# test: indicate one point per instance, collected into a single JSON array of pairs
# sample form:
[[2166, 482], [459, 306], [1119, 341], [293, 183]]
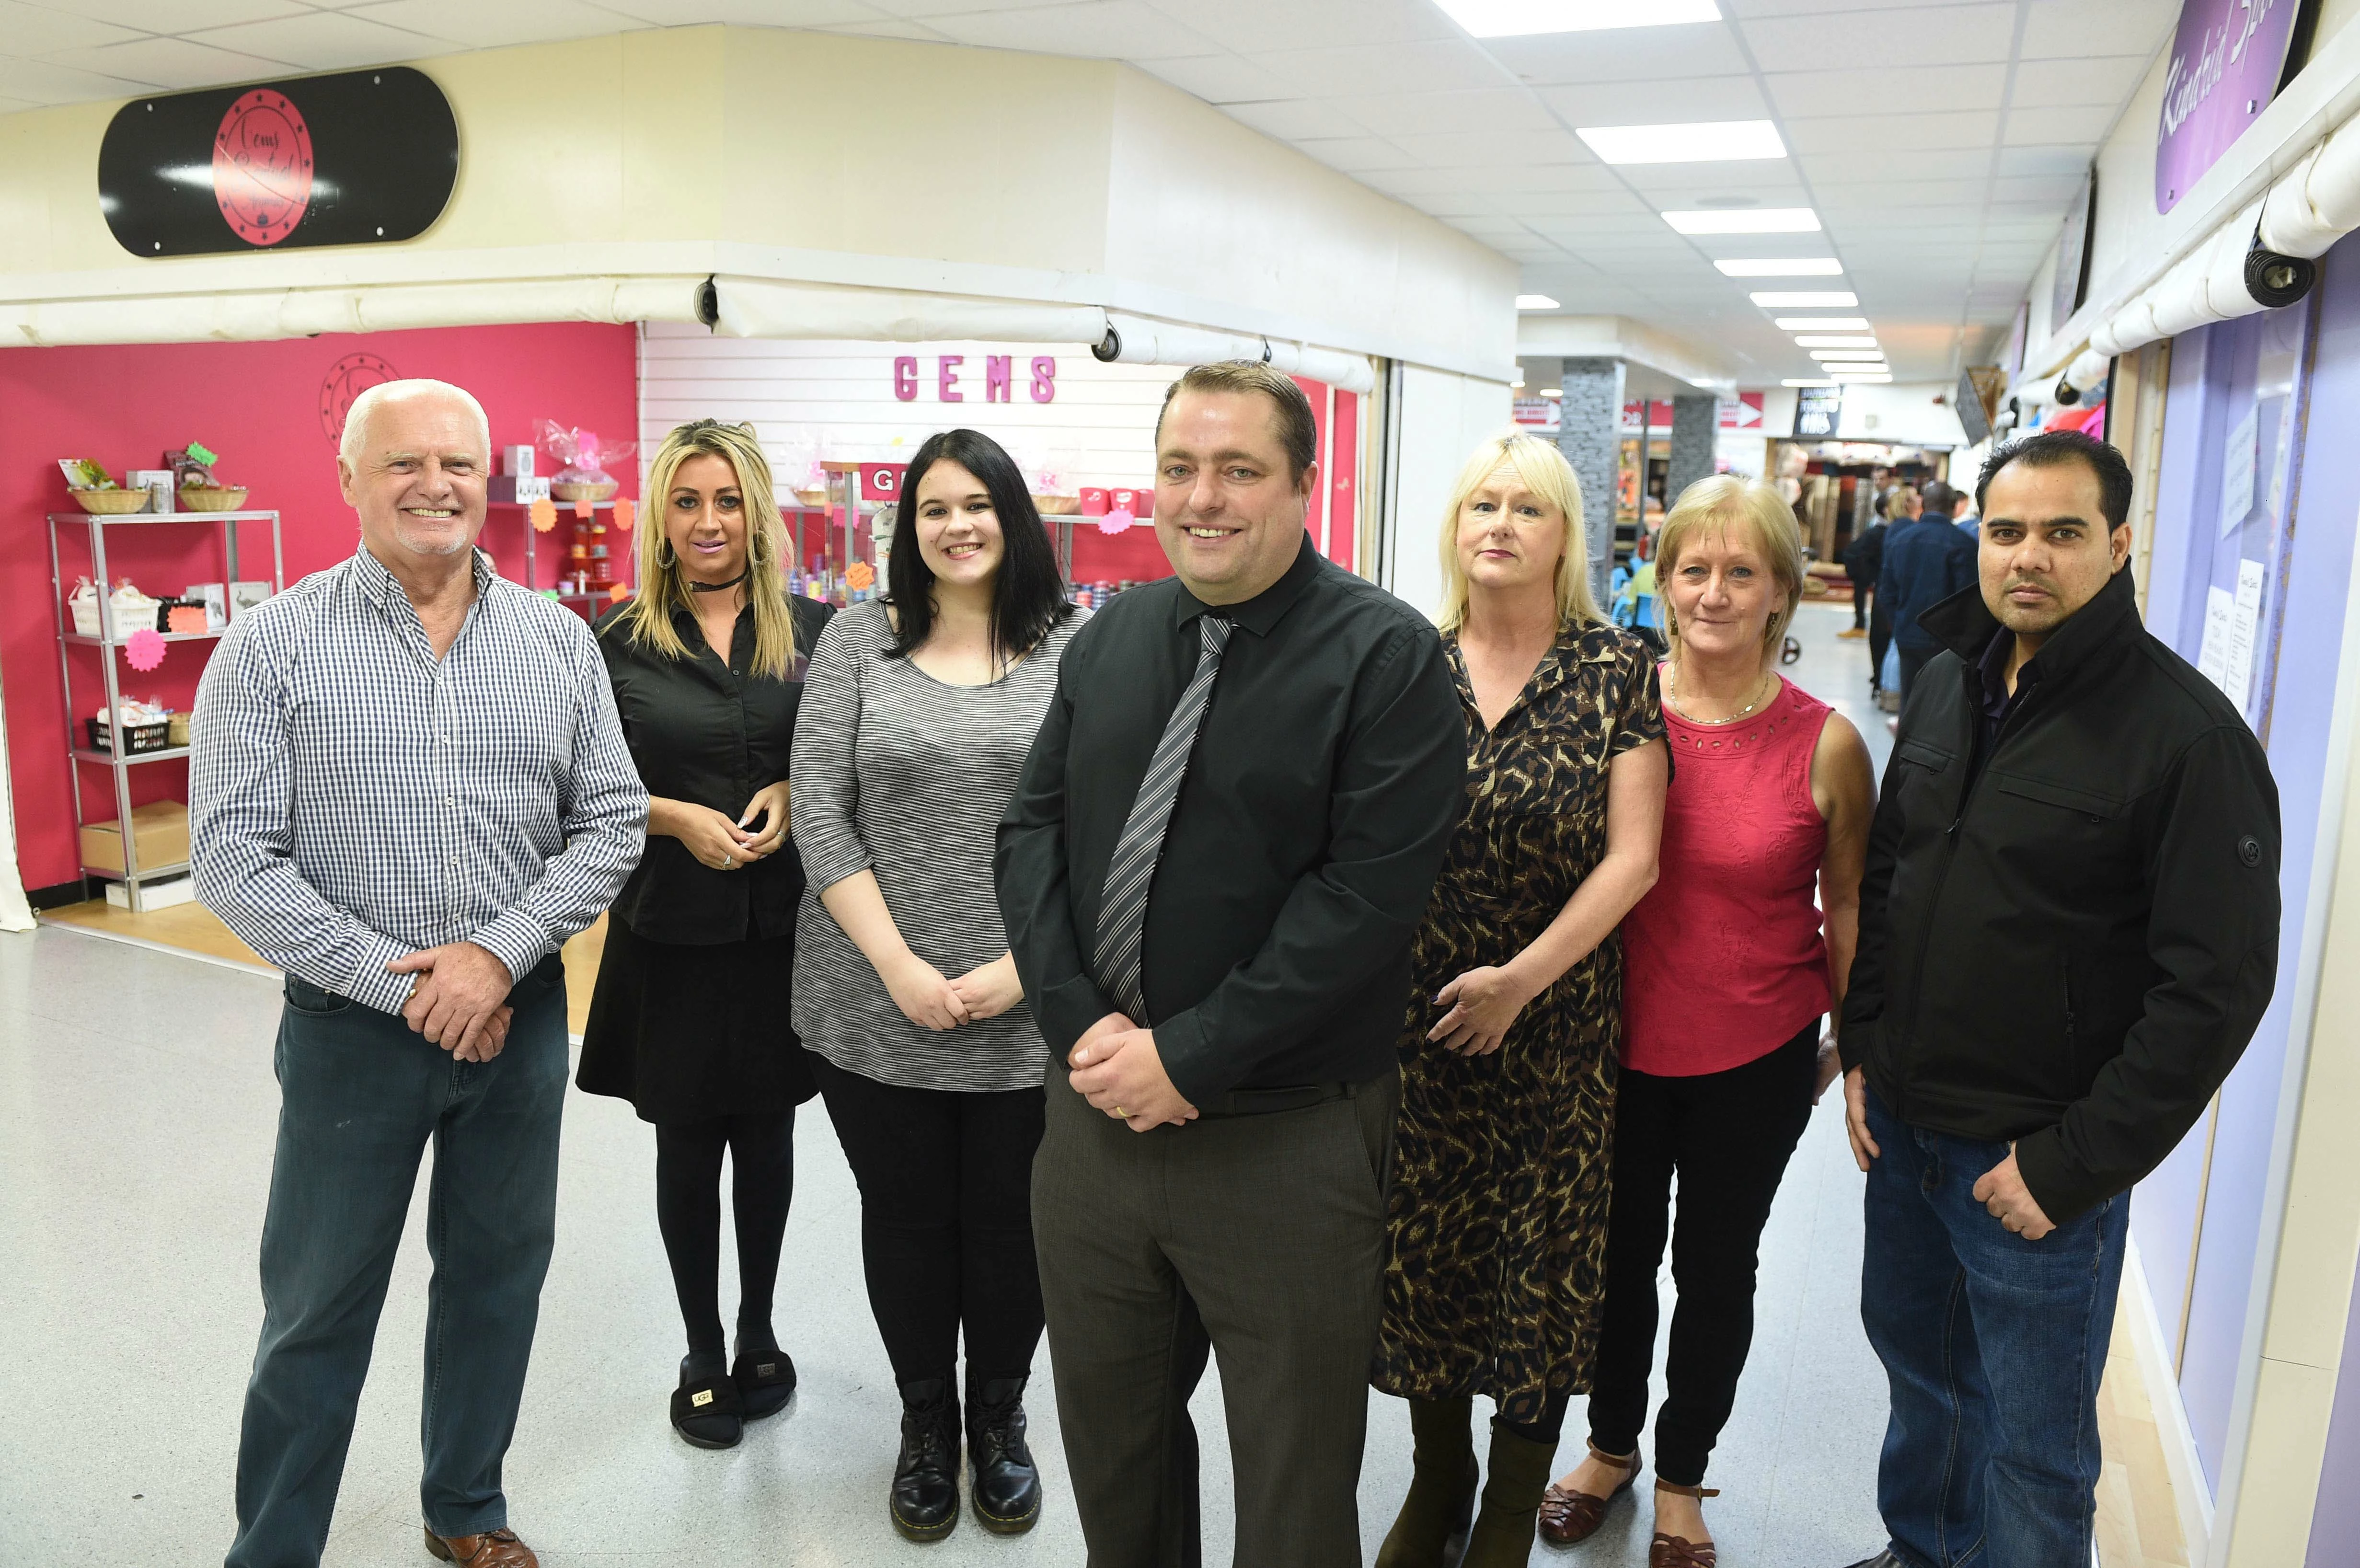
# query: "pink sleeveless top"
[[1723, 959]]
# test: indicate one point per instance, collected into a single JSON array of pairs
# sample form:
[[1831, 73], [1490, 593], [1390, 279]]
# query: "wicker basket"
[[213, 497], [1057, 506], [109, 503], [577, 492]]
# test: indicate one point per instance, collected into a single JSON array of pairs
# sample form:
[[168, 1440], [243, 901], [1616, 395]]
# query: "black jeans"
[[1727, 1135], [946, 1220], [1880, 638]]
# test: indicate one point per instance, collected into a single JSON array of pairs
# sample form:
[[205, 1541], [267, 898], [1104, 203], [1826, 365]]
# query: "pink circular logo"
[[262, 167], [346, 379]]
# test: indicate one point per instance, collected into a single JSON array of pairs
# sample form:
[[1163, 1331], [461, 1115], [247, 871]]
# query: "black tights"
[[946, 1220], [688, 1211]]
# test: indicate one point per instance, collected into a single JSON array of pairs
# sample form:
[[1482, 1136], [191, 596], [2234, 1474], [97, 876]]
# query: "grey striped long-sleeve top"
[[899, 774]]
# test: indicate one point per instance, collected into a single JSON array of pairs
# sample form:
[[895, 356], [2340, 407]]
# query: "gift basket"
[[581, 457], [199, 489], [94, 490]]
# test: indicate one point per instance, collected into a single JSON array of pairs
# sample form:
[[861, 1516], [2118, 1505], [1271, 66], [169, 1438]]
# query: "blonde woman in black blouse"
[[687, 1022]]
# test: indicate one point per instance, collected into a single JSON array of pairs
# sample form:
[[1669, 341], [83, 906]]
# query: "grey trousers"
[[1261, 1238]]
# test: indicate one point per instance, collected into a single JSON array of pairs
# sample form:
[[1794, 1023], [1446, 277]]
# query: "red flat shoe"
[[1676, 1551], [1568, 1517]]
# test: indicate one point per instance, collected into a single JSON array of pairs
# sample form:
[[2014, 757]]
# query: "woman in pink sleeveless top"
[[1728, 973]]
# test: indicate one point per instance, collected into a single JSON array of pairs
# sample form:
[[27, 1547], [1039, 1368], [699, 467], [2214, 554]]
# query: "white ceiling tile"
[[1826, 170], [1435, 113], [37, 30], [1806, 94], [1296, 119], [478, 25], [888, 28], [1894, 133], [174, 16], [325, 40], [2059, 189], [1349, 70], [2065, 83], [1356, 155], [1453, 149], [48, 81], [2035, 128], [2043, 159], [1533, 204], [1220, 79], [1643, 102], [169, 63], [1684, 186], [1124, 29], [741, 12], [1945, 36], [2075, 30], [1675, 53], [1258, 25]]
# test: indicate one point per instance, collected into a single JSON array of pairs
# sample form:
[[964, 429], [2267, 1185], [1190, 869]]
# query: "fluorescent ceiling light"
[[1821, 324], [1515, 18], [1757, 220], [1810, 341], [1872, 356], [1781, 267], [1552, 391], [1706, 142], [1835, 299], [1535, 303], [1806, 383]]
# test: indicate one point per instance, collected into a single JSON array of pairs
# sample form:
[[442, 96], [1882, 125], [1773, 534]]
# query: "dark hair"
[[1028, 594], [2051, 447], [1938, 497], [1298, 430]]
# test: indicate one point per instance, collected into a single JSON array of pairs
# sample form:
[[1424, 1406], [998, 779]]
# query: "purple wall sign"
[[2226, 61]]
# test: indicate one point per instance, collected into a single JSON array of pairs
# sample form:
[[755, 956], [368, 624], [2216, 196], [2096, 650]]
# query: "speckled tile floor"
[[136, 1110]]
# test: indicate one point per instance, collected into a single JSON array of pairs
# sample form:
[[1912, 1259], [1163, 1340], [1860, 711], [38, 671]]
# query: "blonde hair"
[[1723, 502], [664, 589], [1544, 471]]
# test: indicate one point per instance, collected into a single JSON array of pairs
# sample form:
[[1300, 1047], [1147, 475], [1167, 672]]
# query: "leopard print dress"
[[1497, 1217]]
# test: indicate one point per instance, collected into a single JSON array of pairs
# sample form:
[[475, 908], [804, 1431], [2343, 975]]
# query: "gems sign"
[[2225, 63], [358, 158], [953, 378]]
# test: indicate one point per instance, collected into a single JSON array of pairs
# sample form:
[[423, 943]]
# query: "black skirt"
[[686, 1032]]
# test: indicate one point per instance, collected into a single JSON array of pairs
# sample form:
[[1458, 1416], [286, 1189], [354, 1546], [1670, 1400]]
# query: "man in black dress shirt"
[[1213, 1173]]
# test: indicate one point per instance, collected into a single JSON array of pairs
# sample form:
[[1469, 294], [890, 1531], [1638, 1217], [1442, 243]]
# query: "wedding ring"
[[728, 862], [1121, 1114]]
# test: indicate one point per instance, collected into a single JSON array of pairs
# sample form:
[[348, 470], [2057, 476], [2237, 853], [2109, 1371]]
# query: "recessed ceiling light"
[[1704, 142], [1824, 355], [1514, 18], [1761, 220], [1805, 382], [1832, 299], [1535, 303], [1781, 267], [1835, 341], [1821, 324], [1552, 391]]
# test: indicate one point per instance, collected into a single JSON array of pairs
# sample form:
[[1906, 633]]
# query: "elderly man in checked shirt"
[[409, 788]]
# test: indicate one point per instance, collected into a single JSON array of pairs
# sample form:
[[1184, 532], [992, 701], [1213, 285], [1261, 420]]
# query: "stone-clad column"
[[1696, 423], [1590, 434]]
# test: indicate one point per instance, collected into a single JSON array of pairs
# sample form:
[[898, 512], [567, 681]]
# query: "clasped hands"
[[459, 999], [726, 846], [2001, 1190], [1117, 1069]]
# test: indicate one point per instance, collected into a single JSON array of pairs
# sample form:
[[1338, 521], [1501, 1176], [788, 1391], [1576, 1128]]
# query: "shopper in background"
[[685, 1020], [1218, 950], [1498, 1211], [1863, 559], [1729, 973], [1926, 561], [2067, 931], [408, 789], [920, 710]]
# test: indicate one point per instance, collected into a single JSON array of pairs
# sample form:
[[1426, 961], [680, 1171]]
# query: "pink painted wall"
[[260, 405]]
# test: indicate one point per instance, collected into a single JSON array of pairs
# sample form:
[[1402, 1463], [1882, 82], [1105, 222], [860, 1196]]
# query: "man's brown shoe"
[[493, 1548]]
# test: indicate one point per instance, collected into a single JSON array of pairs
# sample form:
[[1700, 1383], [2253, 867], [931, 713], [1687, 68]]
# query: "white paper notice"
[[2220, 616], [2244, 616], [2282, 454], [2237, 472]]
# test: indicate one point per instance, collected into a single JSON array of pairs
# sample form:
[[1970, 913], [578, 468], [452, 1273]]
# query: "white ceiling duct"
[[2317, 202], [764, 307], [248, 316], [1346, 372], [1138, 340]]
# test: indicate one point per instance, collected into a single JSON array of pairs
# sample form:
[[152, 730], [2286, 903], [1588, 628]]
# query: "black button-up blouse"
[[711, 734]]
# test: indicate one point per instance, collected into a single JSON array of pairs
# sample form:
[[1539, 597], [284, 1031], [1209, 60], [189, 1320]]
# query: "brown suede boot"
[[1512, 1484], [1433, 1517]]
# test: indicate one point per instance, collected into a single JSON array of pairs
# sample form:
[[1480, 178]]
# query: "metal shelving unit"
[[134, 876]]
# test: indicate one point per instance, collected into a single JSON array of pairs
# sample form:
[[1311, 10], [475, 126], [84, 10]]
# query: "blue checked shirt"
[[352, 800]]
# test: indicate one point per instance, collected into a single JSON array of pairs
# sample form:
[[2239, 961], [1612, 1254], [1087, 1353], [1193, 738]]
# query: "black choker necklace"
[[720, 588]]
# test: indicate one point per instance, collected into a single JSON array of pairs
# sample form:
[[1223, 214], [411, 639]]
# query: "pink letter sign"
[[905, 378], [1044, 379], [947, 379], [995, 376]]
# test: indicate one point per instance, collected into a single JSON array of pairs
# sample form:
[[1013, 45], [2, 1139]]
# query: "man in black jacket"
[[2067, 931]]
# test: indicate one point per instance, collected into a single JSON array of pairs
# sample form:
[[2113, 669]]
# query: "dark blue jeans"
[[1994, 1346], [360, 1096]]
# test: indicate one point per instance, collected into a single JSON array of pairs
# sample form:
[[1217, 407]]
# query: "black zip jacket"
[[2067, 941]]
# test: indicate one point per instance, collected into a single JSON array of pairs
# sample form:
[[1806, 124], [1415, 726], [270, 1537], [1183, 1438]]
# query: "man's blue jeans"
[[1994, 1346], [360, 1095]]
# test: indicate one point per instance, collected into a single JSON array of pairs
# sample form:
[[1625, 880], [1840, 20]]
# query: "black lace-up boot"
[[1002, 1480], [925, 1480]]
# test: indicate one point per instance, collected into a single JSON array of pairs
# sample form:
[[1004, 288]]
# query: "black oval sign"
[[358, 158]]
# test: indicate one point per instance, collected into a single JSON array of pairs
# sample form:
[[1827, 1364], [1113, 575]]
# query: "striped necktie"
[[1122, 912]]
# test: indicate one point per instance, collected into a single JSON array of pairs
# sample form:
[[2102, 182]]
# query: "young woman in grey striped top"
[[917, 716]]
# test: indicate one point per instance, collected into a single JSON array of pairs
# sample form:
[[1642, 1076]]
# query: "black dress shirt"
[[1328, 773], [711, 734], [1998, 701]]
